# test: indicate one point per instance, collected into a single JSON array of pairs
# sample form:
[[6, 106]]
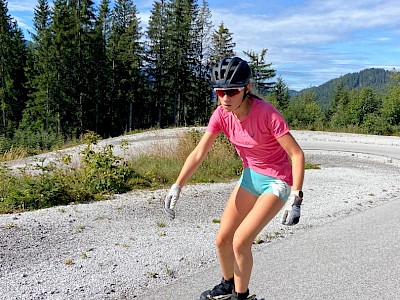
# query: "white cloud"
[[20, 6], [301, 36], [22, 24], [315, 33], [311, 24]]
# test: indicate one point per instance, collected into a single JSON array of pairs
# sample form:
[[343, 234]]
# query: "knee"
[[241, 245], [223, 241]]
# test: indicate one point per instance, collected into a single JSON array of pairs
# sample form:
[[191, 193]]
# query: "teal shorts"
[[259, 184]]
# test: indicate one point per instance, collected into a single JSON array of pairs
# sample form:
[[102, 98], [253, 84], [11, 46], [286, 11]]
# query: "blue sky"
[[309, 42]]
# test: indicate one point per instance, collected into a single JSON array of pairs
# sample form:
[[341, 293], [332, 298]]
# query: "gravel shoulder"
[[124, 247]]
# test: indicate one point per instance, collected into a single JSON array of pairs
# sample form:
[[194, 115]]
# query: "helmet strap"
[[244, 98], [245, 94]]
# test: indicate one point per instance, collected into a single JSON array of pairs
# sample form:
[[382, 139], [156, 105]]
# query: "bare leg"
[[239, 204], [265, 208]]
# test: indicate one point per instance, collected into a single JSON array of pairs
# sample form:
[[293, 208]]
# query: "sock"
[[230, 281], [243, 296]]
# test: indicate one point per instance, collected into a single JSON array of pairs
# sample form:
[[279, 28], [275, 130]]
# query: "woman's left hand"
[[291, 211]]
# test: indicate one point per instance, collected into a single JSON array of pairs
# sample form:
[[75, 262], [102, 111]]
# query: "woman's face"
[[230, 98]]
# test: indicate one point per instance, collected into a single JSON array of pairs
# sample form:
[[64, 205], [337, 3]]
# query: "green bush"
[[101, 173]]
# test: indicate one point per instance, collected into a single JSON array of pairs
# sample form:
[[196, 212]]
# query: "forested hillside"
[[378, 79], [365, 102], [95, 68]]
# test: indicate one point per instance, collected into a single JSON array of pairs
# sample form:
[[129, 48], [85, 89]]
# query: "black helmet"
[[230, 72]]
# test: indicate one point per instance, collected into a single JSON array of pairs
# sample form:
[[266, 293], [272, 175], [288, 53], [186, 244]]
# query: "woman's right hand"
[[171, 199]]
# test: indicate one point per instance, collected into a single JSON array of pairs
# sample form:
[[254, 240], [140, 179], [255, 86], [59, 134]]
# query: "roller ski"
[[251, 297], [224, 291]]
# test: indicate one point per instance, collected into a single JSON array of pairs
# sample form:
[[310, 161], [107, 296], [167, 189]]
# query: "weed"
[[80, 228], [151, 201], [272, 235], [258, 240], [268, 236], [151, 274], [101, 173], [14, 153], [10, 226], [311, 166], [169, 272], [123, 245], [160, 224]]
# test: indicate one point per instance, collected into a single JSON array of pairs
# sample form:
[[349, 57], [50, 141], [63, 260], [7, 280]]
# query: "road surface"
[[355, 257]]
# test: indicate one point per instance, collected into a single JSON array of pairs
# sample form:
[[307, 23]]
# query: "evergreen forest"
[[90, 67]]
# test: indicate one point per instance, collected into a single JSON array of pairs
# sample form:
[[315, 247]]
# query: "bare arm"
[[296, 155], [196, 157]]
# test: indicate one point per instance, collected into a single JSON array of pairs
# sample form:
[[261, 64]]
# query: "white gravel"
[[125, 246]]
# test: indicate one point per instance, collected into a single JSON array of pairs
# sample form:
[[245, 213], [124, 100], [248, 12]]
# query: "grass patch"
[[159, 167], [101, 173], [309, 166]]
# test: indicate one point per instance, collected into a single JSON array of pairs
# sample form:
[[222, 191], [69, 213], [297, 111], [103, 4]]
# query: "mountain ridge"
[[378, 79]]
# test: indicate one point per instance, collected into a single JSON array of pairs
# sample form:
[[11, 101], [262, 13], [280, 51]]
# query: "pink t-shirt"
[[255, 138]]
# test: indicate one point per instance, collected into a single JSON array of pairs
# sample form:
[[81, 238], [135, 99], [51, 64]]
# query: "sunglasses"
[[228, 92]]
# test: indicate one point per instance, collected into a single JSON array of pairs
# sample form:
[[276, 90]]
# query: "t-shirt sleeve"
[[278, 125], [214, 125]]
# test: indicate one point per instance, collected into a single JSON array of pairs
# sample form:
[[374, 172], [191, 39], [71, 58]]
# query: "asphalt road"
[[388, 151], [356, 257]]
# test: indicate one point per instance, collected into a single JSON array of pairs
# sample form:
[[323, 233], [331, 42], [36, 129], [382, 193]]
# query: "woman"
[[273, 173]]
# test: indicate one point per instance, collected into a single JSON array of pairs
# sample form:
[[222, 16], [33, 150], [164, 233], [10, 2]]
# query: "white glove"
[[291, 210], [171, 199]]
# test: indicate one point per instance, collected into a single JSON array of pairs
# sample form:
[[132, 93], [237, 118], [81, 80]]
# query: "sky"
[[309, 42]]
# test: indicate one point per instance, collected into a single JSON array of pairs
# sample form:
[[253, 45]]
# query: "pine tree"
[[72, 54], [200, 107], [281, 92], [64, 59], [156, 60], [5, 80], [84, 19], [304, 112], [340, 100], [101, 96], [126, 55], [261, 71], [222, 44], [12, 76], [38, 116], [391, 103], [183, 15]]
